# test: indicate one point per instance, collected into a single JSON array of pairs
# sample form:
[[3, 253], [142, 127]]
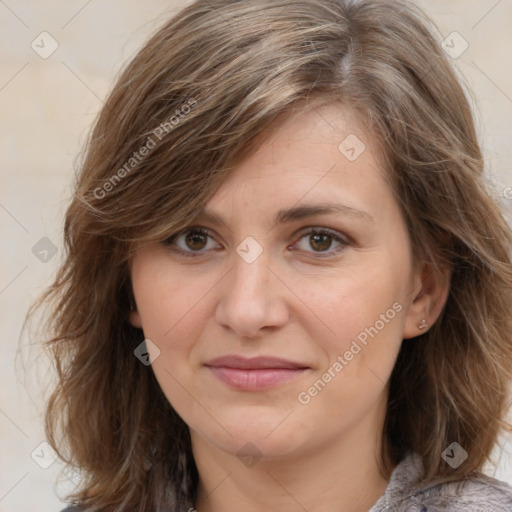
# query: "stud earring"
[[422, 325]]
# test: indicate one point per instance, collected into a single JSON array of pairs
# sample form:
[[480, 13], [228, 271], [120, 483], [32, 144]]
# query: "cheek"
[[361, 300], [366, 317], [173, 316], [364, 310], [169, 302]]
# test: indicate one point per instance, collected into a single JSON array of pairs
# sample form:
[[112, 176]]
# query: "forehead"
[[319, 150]]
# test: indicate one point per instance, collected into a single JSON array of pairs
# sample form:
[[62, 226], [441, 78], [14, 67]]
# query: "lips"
[[254, 363], [254, 374]]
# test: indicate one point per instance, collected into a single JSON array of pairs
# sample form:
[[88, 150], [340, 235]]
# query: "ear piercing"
[[422, 325]]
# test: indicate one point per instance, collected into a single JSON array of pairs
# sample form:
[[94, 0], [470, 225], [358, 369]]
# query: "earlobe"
[[423, 324], [134, 316], [135, 319], [431, 293]]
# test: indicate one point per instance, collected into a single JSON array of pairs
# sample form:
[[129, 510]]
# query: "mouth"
[[257, 373]]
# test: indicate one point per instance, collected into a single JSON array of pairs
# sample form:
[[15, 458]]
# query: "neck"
[[341, 476]]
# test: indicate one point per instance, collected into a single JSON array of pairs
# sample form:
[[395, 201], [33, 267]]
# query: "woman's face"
[[333, 306]]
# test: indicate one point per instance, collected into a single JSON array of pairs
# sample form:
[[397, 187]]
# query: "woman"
[[286, 286]]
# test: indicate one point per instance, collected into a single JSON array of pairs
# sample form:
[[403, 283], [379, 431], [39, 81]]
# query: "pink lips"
[[254, 373]]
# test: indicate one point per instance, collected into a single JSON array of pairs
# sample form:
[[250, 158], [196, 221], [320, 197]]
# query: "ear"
[[135, 319], [430, 288], [134, 316]]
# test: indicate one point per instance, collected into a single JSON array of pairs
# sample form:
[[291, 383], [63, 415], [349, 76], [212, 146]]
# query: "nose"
[[252, 298]]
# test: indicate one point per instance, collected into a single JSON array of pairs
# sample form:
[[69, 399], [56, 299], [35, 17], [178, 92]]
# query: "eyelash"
[[312, 231]]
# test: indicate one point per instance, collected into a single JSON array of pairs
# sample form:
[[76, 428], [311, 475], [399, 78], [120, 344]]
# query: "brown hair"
[[196, 96]]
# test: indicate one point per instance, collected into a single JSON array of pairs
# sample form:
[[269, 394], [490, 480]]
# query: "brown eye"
[[191, 242], [196, 240], [321, 241]]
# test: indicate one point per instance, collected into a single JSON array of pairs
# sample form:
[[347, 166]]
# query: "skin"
[[291, 302]]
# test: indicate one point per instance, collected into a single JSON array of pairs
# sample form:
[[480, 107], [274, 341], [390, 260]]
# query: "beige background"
[[47, 107]]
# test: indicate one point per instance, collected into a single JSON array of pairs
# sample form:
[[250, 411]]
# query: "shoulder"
[[479, 493]]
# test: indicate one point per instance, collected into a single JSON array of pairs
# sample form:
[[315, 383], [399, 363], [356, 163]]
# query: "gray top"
[[476, 494], [479, 493]]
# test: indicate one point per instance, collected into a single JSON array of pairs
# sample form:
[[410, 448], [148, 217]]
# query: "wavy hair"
[[180, 117]]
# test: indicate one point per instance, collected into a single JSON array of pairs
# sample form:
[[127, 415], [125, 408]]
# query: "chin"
[[255, 435]]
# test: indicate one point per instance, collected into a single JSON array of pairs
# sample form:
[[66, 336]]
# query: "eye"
[[320, 239], [190, 242], [193, 242]]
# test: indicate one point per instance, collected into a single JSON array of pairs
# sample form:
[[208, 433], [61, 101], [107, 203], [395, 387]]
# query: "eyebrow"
[[296, 213]]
